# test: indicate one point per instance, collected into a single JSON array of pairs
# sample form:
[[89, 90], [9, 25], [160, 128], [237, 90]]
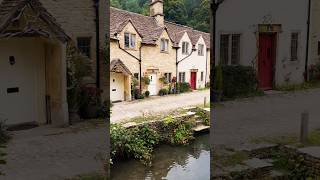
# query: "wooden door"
[[266, 61], [193, 80]]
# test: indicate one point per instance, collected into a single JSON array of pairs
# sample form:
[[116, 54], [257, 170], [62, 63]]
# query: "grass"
[[299, 87], [230, 159], [313, 140], [154, 117]]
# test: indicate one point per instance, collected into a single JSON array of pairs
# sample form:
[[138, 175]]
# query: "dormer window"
[[200, 49], [129, 40], [164, 45], [185, 47]]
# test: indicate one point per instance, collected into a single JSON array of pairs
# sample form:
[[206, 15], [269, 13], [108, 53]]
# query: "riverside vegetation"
[[139, 142]]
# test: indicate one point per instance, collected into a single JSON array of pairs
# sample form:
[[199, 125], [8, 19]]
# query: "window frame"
[[185, 47], [88, 47], [200, 49], [294, 46], [132, 43], [182, 80], [164, 42], [235, 60]]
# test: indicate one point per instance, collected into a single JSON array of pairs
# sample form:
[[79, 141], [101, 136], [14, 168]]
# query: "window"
[[129, 40], [84, 46], [294, 46], [168, 77], [200, 49], [230, 52], [185, 48], [182, 76], [235, 49], [164, 45], [224, 49], [136, 75], [202, 76]]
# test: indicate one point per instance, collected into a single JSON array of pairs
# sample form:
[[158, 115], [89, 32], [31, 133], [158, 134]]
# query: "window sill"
[[165, 52], [132, 49]]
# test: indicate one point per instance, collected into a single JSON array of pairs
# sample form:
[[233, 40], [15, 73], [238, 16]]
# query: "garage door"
[[117, 87], [22, 77]]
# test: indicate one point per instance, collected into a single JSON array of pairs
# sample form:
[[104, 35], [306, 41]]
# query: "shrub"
[[163, 92], [137, 94], [183, 87], [147, 94], [135, 143], [145, 80], [4, 135], [237, 80], [178, 131]]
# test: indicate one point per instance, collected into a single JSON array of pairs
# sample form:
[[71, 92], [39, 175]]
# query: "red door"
[[193, 80], [266, 60]]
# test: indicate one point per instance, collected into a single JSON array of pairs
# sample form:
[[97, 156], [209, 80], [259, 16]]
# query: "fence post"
[[304, 127]]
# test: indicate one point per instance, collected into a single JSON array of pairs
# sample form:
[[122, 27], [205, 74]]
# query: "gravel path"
[[125, 110], [238, 122], [54, 153]]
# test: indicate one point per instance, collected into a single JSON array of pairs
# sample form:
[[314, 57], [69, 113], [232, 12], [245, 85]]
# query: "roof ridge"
[[131, 12]]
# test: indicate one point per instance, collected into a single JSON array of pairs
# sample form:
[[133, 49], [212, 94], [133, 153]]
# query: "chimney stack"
[[156, 11]]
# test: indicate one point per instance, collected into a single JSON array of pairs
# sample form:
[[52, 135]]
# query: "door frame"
[[274, 58]]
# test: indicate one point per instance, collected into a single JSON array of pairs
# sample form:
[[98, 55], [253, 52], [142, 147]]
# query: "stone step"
[[201, 128]]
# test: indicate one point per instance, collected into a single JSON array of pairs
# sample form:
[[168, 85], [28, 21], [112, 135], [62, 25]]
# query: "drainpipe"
[[96, 6], [307, 46], [177, 62], [205, 79], [138, 59]]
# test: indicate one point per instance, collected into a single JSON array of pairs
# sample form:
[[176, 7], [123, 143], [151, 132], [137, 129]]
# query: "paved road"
[[54, 154], [125, 110], [277, 114]]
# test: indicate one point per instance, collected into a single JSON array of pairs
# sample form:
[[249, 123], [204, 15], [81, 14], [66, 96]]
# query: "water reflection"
[[170, 163]]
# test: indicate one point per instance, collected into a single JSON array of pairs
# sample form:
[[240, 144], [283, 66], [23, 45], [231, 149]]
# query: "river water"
[[190, 162]]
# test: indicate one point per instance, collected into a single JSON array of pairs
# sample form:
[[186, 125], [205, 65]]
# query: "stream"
[[191, 162]]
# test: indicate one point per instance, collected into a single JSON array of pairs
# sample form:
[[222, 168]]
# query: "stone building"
[[150, 47], [34, 35]]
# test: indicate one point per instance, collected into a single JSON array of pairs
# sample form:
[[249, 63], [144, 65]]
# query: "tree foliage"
[[193, 13]]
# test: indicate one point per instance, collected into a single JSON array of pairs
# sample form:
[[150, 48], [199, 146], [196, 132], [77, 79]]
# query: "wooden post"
[[304, 127], [204, 102]]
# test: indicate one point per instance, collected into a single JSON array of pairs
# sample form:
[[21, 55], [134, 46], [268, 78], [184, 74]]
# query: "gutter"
[[177, 62], [97, 21], [307, 46], [138, 59]]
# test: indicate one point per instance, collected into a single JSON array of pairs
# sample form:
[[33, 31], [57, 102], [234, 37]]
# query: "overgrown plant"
[[179, 132], [137, 143]]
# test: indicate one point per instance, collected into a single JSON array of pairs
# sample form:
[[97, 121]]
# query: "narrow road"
[[54, 153], [126, 110], [239, 122]]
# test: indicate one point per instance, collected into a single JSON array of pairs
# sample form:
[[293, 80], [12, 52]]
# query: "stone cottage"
[[34, 35], [149, 47], [273, 37]]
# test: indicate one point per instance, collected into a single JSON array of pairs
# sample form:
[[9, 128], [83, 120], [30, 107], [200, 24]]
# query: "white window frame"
[[230, 48], [132, 40], [182, 74], [164, 45], [200, 49], [185, 47]]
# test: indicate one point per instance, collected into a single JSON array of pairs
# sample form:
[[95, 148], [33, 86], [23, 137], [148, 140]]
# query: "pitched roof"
[[148, 28], [118, 66], [11, 10]]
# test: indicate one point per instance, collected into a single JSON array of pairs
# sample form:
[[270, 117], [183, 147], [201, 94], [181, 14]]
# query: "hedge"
[[238, 81]]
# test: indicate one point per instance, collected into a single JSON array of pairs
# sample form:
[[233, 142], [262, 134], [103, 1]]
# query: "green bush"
[[137, 143], [183, 87], [137, 94], [237, 81], [178, 132], [147, 94], [163, 92]]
